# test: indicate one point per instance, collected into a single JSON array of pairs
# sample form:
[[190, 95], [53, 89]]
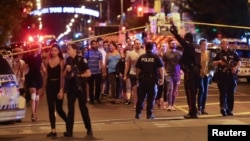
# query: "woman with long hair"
[[54, 84]]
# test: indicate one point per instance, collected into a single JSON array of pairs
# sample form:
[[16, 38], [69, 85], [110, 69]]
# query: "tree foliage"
[[226, 12], [10, 19]]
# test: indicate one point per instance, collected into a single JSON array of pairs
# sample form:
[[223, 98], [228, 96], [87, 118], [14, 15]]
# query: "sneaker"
[[127, 102], [151, 117], [52, 134], [188, 116], [89, 132], [204, 112], [67, 134], [169, 108], [105, 94], [137, 116], [223, 112], [173, 108]]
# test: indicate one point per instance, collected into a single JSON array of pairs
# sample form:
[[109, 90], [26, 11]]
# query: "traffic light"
[[214, 29], [197, 29], [91, 31], [24, 12], [140, 11]]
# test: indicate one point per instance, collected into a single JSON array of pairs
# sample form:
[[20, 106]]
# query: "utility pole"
[[121, 12], [108, 12]]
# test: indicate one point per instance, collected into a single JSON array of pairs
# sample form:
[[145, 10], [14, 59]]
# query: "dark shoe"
[[199, 112], [204, 113], [89, 133], [151, 117], [223, 112], [52, 134], [105, 94], [115, 101], [127, 102], [91, 102], [99, 101], [188, 116], [230, 114], [67, 134], [137, 116]]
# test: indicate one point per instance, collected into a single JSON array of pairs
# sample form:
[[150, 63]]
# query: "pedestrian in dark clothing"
[[147, 67], [190, 64], [227, 62], [54, 84], [76, 71], [34, 78]]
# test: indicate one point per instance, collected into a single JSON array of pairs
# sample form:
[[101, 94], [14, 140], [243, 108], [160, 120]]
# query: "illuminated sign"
[[75, 10]]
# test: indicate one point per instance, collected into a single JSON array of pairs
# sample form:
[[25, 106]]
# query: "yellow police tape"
[[132, 29]]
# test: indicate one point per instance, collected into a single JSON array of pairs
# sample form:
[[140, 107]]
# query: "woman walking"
[[54, 84]]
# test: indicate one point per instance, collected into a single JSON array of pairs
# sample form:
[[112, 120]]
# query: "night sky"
[[56, 23]]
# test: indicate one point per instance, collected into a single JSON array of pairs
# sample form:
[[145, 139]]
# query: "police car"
[[244, 54], [12, 105]]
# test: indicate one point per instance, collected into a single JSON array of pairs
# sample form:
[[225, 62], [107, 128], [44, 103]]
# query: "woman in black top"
[[54, 87], [33, 79]]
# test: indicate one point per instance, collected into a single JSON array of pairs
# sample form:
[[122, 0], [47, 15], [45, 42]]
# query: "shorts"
[[34, 83], [133, 80]]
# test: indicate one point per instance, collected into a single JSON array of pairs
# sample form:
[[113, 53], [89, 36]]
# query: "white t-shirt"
[[18, 69], [103, 54], [133, 57]]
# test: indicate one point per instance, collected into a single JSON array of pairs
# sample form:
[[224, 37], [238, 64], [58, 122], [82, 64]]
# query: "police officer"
[[76, 71], [190, 64], [147, 66], [227, 62]]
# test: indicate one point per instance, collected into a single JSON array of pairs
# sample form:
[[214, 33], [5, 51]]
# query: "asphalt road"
[[112, 122]]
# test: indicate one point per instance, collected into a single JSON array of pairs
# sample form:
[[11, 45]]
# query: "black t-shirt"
[[34, 64], [78, 64], [149, 63]]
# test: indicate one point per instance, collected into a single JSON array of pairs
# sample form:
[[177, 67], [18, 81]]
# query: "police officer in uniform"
[[190, 64], [76, 71], [228, 63], [147, 67]]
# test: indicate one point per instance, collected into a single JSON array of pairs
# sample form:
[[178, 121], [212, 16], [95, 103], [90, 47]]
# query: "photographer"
[[227, 62], [76, 72]]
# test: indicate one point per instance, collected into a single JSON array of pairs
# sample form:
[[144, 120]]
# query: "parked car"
[[12, 105]]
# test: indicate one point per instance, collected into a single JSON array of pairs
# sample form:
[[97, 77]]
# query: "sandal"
[[34, 118]]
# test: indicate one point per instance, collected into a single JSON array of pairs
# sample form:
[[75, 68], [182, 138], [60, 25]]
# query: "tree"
[[11, 19], [226, 12]]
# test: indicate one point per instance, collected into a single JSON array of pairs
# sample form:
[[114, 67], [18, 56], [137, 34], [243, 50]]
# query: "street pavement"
[[112, 122]]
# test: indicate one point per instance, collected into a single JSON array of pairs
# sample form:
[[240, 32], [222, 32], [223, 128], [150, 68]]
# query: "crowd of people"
[[134, 74]]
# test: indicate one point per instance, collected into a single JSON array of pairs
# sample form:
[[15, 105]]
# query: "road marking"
[[161, 124]]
